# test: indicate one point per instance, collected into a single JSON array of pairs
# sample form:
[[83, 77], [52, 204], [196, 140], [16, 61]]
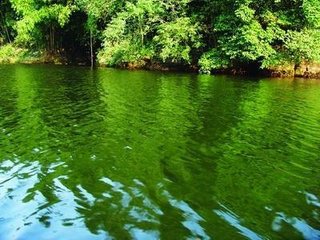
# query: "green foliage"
[[213, 60], [145, 30], [311, 9], [10, 54], [7, 22], [216, 34], [176, 39], [33, 15], [304, 45], [266, 32], [124, 52], [249, 43]]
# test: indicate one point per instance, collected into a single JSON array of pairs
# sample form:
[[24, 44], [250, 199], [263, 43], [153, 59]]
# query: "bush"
[[11, 54], [213, 60]]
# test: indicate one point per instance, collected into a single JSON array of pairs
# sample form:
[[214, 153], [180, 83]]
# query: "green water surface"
[[115, 154]]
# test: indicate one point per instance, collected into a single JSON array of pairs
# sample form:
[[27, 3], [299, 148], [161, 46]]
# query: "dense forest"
[[280, 36]]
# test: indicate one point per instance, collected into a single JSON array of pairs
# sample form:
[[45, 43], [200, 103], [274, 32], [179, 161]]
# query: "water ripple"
[[112, 154]]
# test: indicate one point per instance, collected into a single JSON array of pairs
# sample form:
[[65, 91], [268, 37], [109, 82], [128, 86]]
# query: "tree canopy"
[[209, 34]]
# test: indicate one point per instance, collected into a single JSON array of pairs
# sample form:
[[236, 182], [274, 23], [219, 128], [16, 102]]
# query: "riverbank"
[[10, 54], [304, 70]]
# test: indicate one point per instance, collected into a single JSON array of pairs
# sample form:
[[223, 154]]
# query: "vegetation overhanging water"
[[114, 154], [266, 37]]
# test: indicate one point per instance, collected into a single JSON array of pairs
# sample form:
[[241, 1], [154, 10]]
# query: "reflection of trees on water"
[[141, 154], [263, 168], [155, 130]]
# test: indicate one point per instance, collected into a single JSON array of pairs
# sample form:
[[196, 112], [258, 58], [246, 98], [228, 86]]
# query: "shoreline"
[[229, 72], [25, 56]]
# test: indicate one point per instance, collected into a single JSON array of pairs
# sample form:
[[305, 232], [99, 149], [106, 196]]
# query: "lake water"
[[115, 154]]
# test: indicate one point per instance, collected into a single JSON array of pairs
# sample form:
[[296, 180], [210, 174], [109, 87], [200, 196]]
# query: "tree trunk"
[[51, 38], [5, 28], [53, 45], [91, 48]]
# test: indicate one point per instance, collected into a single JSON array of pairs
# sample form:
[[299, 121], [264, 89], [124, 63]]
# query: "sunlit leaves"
[[213, 60], [175, 39], [217, 34], [311, 9], [304, 45], [245, 13], [147, 29], [32, 13], [270, 32]]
